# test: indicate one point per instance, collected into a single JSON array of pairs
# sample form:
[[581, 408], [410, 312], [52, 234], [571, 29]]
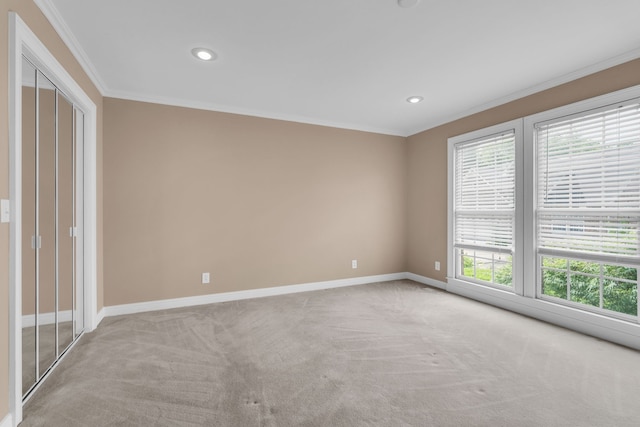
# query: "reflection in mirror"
[[29, 374], [78, 306], [46, 224], [52, 294], [65, 222]]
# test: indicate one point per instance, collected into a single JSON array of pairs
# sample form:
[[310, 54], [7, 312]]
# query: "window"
[[484, 205], [547, 208], [588, 208]]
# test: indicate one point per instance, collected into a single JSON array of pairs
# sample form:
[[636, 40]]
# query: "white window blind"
[[588, 183], [484, 195]]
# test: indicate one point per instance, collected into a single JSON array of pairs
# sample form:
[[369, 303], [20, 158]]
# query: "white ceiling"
[[344, 63]]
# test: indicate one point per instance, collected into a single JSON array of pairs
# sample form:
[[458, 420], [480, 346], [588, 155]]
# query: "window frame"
[[524, 296], [533, 271], [577, 305], [515, 126]]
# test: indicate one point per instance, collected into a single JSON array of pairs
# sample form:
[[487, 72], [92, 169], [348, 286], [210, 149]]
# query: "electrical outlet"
[[354, 263], [206, 278], [437, 265]]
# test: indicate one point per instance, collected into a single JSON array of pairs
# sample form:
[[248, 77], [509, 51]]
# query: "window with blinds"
[[484, 208], [588, 207]]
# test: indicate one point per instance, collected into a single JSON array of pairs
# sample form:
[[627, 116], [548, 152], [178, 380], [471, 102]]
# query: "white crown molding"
[[117, 310], [55, 18], [583, 72], [210, 106], [60, 26], [566, 78]]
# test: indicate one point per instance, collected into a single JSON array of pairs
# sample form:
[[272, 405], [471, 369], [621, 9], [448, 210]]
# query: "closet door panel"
[[52, 285], [66, 280], [78, 297], [46, 223], [29, 374]]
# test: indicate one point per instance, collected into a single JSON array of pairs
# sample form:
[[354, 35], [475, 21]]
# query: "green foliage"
[[468, 266], [502, 274], [583, 285], [554, 283], [621, 297], [573, 280], [585, 289]]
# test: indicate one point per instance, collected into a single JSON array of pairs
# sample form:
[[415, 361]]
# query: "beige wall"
[[255, 202], [427, 160], [32, 16]]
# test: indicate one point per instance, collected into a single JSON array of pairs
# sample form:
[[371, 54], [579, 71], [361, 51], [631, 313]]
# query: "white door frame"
[[22, 41]]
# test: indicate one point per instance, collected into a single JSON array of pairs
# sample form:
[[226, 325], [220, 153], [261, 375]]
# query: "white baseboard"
[[117, 310], [426, 281], [29, 320], [607, 328], [99, 317], [7, 421]]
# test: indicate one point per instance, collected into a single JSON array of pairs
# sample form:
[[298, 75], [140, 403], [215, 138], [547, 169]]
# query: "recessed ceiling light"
[[408, 3], [204, 54], [414, 99]]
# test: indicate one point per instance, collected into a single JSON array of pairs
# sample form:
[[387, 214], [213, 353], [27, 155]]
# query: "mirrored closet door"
[[52, 293]]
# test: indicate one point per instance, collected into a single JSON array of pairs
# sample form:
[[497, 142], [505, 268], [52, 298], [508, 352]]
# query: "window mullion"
[[601, 286], [568, 273]]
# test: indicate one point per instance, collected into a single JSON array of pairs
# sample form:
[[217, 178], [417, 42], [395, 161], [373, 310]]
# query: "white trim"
[[518, 230], [56, 20], [597, 102], [426, 281], [531, 277], [598, 325], [211, 106], [60, 26], [7, 421], [23, 41], [610, 329], [99, 317], [15, 228], [517, 272], [566, 78], [117, 310], [89, 228], [451, 260], [29, 320], [528, 214]]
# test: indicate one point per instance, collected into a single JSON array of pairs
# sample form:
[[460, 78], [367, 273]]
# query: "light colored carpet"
[[385, 354]]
